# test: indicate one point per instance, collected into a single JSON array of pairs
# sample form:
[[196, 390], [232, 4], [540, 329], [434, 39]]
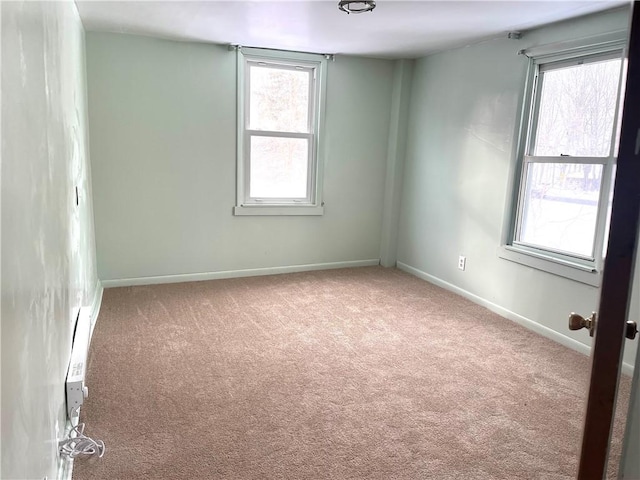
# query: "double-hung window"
[[280, 111], [568, 163]]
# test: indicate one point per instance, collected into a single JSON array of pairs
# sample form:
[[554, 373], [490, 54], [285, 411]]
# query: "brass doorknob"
[[576, 322]]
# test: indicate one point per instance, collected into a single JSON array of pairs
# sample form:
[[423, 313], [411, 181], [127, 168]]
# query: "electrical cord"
[[80, 444]]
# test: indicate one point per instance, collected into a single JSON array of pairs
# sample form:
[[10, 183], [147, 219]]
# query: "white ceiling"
[[395, 29]]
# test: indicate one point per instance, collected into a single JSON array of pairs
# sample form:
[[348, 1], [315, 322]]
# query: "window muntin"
[[279, 119], [569, 158]]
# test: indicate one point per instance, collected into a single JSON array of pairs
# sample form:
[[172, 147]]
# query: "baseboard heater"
[[76, 389], [76, 443]]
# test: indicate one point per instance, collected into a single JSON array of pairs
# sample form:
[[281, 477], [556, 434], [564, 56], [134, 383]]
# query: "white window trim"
[[313, 204], [556, 266], [578, 269]]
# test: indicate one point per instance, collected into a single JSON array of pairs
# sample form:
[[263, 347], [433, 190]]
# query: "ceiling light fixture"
[[356, 6]]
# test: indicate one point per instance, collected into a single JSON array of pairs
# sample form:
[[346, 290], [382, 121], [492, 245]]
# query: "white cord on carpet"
[[80, 444]]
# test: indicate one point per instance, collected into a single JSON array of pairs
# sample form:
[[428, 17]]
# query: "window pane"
[[279, 167], [561, 206], [278, 99], [577, 106]]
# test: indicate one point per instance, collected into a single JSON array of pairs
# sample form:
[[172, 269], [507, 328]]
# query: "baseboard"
[[532, 325], [95, 305], [66, 469], [65, 466], [252, 272]]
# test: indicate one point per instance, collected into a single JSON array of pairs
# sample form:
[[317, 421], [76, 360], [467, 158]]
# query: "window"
[[280, 111], [568, 162]]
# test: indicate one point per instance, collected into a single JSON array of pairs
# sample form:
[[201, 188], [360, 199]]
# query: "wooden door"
[[615, 293]]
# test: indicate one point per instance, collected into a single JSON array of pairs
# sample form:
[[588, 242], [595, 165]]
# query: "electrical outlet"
[[462, 262]]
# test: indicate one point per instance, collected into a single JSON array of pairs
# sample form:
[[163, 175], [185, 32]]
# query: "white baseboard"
[[532, 325], [95, 306], [252, 272], [65, 465]]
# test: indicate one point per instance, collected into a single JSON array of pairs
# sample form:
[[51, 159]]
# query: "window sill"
[[277, 210], [555, 266]]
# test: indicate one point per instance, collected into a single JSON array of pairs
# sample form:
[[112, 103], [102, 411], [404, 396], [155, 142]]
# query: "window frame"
[[584, 269], [316, 65]]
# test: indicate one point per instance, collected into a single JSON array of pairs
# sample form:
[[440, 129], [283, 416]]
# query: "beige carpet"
[[363, 373]]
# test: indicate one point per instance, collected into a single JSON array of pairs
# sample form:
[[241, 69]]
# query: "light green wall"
[[460, 161], [48, 254], [630, 460], [162, 119], [463, 125], [163, 137], [459, 168], [401, 97]]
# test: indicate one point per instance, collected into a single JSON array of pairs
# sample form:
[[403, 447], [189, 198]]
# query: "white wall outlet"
[[462, 262]]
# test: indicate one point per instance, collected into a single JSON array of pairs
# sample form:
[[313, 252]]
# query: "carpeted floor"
[[365, 373]]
